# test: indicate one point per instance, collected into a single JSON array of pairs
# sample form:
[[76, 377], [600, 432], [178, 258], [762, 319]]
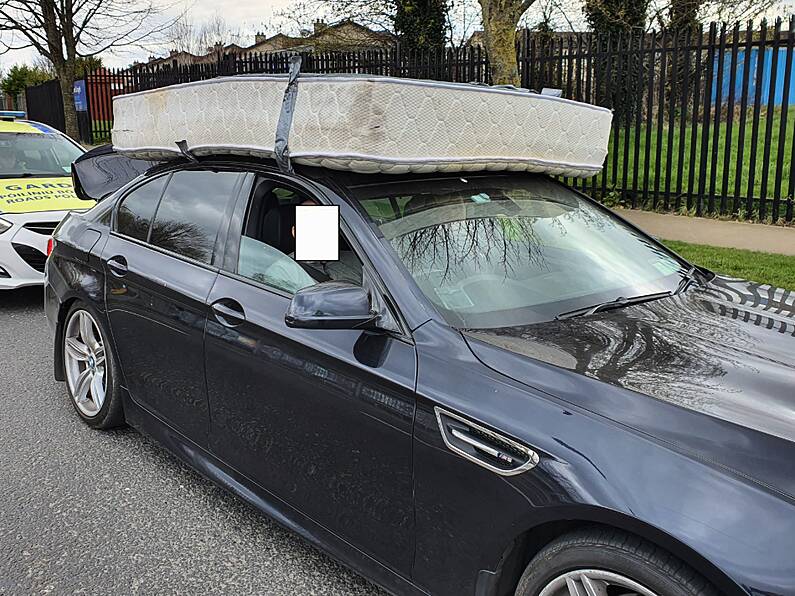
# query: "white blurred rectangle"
[[317, 233]]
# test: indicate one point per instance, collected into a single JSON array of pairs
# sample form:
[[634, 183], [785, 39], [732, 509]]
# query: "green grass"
[[776, 270], [638, 137], [100, 130]]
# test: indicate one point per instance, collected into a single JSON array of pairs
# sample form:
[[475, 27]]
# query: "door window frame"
[[220, 239], [234, 233]]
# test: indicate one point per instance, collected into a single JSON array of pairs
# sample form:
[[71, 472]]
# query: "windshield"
[[33, 154], [497, 251]]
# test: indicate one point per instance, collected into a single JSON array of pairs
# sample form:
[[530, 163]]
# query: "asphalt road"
[[92, 512]]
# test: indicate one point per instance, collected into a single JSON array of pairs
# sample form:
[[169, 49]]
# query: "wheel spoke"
[[98, 389], [593, 587], [87, 331], [594, 582], [574, 587], [76, 349], [82, 385], [99, 356]]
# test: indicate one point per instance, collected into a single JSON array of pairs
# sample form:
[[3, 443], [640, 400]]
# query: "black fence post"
[[685, 102]]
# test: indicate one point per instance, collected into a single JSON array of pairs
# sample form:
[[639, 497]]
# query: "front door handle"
[[118, 265], [483, 446], [228, 312]]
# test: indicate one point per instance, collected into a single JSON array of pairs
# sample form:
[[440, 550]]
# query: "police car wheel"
[[90, 369]]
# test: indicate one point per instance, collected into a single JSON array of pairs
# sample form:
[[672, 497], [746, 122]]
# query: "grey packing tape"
[[281, 147]]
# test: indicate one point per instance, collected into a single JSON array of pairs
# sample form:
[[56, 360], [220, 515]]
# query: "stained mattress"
[[369, 124]]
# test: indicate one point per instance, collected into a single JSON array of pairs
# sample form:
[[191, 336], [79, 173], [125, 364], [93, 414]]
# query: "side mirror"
[[331, 305]]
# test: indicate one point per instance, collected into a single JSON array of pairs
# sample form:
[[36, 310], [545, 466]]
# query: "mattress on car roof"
[[369, 124]]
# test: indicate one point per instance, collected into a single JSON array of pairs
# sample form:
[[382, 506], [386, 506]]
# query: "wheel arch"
[[63, 310], [525, 545]]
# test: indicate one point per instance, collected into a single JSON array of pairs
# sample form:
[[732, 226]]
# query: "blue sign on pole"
[[79, 91]]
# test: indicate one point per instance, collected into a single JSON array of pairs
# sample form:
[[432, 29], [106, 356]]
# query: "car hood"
[[29, 195], [725, 349]]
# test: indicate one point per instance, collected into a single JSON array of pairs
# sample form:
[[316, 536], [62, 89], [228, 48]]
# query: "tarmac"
[[714, 232]]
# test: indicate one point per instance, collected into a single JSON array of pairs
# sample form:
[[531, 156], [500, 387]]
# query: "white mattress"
[[369, 124]]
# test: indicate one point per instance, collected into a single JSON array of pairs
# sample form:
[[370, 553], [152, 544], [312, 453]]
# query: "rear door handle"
[[483, 446], [228, 312], [118, 265]]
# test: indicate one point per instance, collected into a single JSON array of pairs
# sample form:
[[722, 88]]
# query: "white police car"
[[36, 193]]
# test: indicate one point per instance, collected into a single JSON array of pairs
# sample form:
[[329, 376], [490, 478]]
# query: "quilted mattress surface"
[[369, 124]]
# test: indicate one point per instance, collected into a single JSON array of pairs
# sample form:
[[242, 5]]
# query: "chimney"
[[319, 25], [172, 53], [259, 38]]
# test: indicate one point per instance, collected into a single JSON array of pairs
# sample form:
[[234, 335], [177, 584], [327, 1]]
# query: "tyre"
[[90, 367], [609, 563]]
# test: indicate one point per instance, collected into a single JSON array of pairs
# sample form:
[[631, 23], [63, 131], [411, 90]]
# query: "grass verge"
[[776, 270]]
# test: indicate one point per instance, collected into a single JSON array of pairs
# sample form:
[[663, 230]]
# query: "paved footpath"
[[714, 232]]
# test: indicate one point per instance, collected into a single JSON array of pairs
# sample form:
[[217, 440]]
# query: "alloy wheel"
[[594, 582], [84, 359]]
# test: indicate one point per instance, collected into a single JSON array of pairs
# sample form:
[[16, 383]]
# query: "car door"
[[320, 418], [159, 271]]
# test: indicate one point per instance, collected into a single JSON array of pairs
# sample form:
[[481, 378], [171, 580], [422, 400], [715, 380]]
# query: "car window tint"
[[191, 212], [138, 208]]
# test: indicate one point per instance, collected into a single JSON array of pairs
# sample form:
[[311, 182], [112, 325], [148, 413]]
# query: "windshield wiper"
[[684, 283], [29, 175], [619, 302]]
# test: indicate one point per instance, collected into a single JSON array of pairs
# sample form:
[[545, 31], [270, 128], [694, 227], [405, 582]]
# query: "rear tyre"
[[90, 367], [609, 562]]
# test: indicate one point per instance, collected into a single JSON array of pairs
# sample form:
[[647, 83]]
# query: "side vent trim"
[[482, 446]]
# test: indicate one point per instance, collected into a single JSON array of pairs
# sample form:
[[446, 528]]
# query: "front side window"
[[502, 251], [33, 154], [191, 212], [267, 244]]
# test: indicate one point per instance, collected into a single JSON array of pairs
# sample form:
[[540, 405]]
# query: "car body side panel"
[[73, 273], [157, 313], [277, 509], [320, 417], [467, 516]]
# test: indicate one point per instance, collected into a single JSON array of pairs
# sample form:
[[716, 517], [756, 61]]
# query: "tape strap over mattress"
[[281, 147]]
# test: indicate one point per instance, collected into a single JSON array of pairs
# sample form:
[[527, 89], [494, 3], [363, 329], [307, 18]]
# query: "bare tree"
[[187, 36], [500, 19], [63, 31], [463, 19]]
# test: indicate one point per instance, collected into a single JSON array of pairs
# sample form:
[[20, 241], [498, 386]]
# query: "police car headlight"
[[4, 225]]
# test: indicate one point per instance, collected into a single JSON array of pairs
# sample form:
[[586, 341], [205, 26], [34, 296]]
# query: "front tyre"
[[90, 367], [604, 562]]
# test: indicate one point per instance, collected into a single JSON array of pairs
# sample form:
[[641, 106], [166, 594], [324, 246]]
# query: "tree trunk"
[[500, 18], [67, 81]]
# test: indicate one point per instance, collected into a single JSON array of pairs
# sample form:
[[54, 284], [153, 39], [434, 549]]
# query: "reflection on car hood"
[[726, 349]]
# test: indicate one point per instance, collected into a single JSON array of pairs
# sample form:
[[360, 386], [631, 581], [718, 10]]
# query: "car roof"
[[26, 126]]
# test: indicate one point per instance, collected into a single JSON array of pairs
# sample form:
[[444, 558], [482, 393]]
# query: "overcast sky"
[[247, 15]]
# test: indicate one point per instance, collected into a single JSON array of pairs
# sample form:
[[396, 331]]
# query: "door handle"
[[228, 312], [483, 446], [118, 265]]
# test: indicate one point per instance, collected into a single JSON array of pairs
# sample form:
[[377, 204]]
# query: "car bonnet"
[[724, 351]]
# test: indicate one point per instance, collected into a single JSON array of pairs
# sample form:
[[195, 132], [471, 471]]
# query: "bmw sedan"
[[499, 387]]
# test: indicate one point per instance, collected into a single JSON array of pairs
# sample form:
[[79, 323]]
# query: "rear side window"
[[138, 208], [191, 212]]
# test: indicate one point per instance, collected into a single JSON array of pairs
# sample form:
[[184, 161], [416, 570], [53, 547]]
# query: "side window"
[[137, 209], [191, 212], [267, 243]]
